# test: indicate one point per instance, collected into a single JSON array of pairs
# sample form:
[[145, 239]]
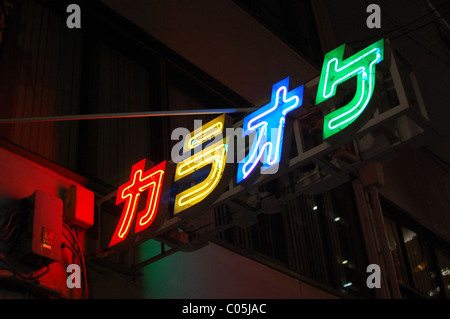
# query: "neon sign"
[[336, 71], [268, 123], [200, 177], [130, 193], [214, 154]]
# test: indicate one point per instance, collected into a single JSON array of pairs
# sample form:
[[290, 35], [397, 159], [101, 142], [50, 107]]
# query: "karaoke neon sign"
[[130, 193], [268, 123], [214, 155], [336, 71], [199, 179]]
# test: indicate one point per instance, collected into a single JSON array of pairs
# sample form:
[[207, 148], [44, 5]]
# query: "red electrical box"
[[46, 229], [79, 206]]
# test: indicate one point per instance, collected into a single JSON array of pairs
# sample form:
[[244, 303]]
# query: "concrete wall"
[[214, 34]]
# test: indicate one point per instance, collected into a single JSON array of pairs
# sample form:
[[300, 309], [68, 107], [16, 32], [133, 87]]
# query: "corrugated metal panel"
[[119, 85], [40, 75]]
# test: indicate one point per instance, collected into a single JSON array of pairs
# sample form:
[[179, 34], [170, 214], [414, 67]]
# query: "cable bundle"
[[75, 247]]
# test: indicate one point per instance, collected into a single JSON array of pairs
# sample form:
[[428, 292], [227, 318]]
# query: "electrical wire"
[[394, 22], [7, 225], [418, 27], [98, 252], [21, 275], [9, 221], [11, 227], [437, 159], [74, 252], [8, 235], [78, 252], [443, 22], [407, 34], [384, 34]]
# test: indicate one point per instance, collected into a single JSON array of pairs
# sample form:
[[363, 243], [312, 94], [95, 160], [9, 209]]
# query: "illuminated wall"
[[216, 272], [24, 177]]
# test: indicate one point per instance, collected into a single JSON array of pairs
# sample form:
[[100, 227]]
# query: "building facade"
[[379, 196]]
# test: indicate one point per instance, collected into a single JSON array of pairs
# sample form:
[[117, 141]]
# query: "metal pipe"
[[35, 285], [60, 118], [368, 234], [381, 229]]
